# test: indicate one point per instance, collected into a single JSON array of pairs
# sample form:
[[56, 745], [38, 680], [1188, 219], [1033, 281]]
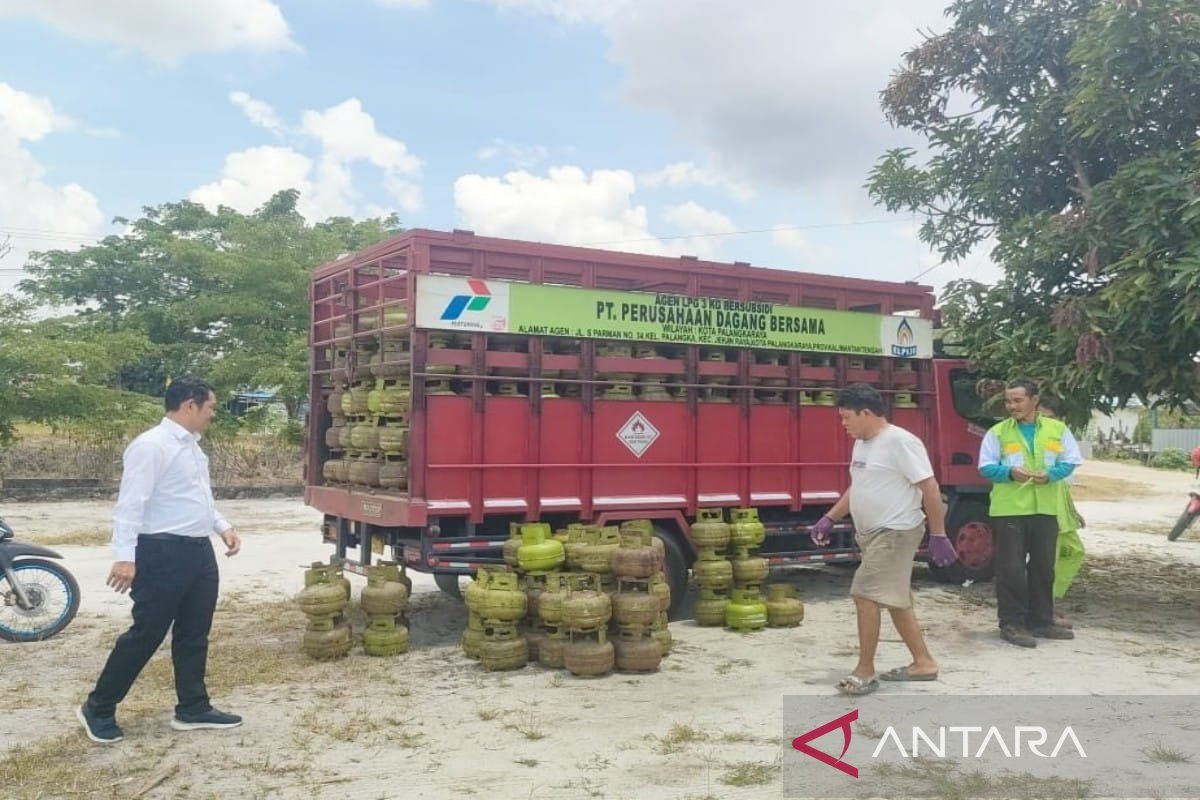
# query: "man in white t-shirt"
[[892, 493]]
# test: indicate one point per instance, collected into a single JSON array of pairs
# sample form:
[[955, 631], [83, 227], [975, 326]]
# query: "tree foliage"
[[184, 290], [1066, 135]]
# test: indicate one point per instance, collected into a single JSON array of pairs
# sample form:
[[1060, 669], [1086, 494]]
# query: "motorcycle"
[[1189, 515], [38, 598]]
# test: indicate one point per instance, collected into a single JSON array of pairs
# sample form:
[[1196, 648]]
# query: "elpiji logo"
[[477, 300], [905, 346]]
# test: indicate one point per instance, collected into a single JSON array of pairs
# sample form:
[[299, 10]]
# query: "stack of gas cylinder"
[[368, 433], [730, 575], [592, 598], [324, 598]]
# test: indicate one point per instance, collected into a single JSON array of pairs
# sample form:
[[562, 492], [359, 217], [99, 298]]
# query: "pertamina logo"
[[460, 304], [906, 345]]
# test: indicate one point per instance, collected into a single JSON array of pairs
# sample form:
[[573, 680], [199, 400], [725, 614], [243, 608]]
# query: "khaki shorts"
[[885, 574]]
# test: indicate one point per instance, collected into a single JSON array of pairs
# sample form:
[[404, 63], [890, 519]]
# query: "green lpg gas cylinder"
[[383, 637], [538, 550], [784, 609], [746, 530], [710, 529], [745, 611]]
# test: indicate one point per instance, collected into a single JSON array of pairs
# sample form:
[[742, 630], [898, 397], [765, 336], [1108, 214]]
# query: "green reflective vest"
[[1014, 499]]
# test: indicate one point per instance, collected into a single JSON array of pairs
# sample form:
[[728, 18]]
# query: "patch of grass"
[[1160, 753], [528, 762], [84, 537], [594, 764], [351, 726], [64, 766], [726, 666], [868, 730], [749, 773], [19, 695], [944, 780], [528, 727], [677, 738], [1096, 487], [487, 714], [742, 737]]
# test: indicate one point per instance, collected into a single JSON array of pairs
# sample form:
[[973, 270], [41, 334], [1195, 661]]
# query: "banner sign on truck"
[[490, 306]]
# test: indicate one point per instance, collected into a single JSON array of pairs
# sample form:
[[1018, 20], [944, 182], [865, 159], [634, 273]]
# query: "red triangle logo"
[[801, 743]]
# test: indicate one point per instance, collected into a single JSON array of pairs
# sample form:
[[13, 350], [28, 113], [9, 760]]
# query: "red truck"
[[462, 383]]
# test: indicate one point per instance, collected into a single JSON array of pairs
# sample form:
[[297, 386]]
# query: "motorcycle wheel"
[[1183, 523], [54, 594]]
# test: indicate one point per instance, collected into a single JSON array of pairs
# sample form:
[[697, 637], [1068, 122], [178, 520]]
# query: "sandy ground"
[[433, 724]]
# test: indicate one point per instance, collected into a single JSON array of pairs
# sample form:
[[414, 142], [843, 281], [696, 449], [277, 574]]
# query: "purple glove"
[[941, 551], [820, 531]]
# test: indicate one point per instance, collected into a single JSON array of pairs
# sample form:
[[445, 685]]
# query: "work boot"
[[1062, 622], [1018, 636], [1053, 632]]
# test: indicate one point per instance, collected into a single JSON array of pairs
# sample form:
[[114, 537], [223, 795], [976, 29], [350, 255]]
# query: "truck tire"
[[448, 583], [970, 529], [675, 568]]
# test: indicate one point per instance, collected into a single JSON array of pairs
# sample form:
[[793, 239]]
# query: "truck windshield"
[[976, 398]]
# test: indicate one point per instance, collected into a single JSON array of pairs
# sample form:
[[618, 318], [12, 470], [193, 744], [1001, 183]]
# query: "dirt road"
[[432, 724]]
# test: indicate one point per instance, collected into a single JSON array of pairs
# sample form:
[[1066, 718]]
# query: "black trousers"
[[175, 587], [1025, 550]]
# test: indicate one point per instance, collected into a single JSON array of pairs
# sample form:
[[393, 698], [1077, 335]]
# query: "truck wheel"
[[970, 529], [448, 583], [675, 567]]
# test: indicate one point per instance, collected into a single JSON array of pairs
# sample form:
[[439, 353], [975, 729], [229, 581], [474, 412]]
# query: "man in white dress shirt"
[[164, 517]]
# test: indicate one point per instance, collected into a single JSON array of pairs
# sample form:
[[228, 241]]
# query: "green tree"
[[60, 371], [223, 294], [1064, 134]]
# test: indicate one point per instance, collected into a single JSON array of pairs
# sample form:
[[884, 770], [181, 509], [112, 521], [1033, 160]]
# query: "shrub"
[[1171, 459]]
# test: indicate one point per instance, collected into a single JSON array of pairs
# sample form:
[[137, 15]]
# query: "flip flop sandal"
[[854, 685], [902, 674]]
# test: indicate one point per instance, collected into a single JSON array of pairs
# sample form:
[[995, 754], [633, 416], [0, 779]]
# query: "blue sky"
[[652, 125]]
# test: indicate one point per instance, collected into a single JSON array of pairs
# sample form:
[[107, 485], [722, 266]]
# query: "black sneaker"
[[101, 730], [211, 719], [1018, 636], [1054, 632]]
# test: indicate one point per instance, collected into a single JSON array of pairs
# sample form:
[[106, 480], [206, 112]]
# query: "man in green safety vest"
[[1025, 457]]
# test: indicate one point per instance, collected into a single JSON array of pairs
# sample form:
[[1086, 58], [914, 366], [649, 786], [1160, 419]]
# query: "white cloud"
[[342, 136], [688, 173], [571, 206], [348, 134], [29, 117], [404, 3], [258, 112], [708, 225], [567, 206], [250, 177], [574, 11], [926, 268], [694, 218], [165, 31], [522, 156], [805, 254], [784, 93], [33, 213]]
